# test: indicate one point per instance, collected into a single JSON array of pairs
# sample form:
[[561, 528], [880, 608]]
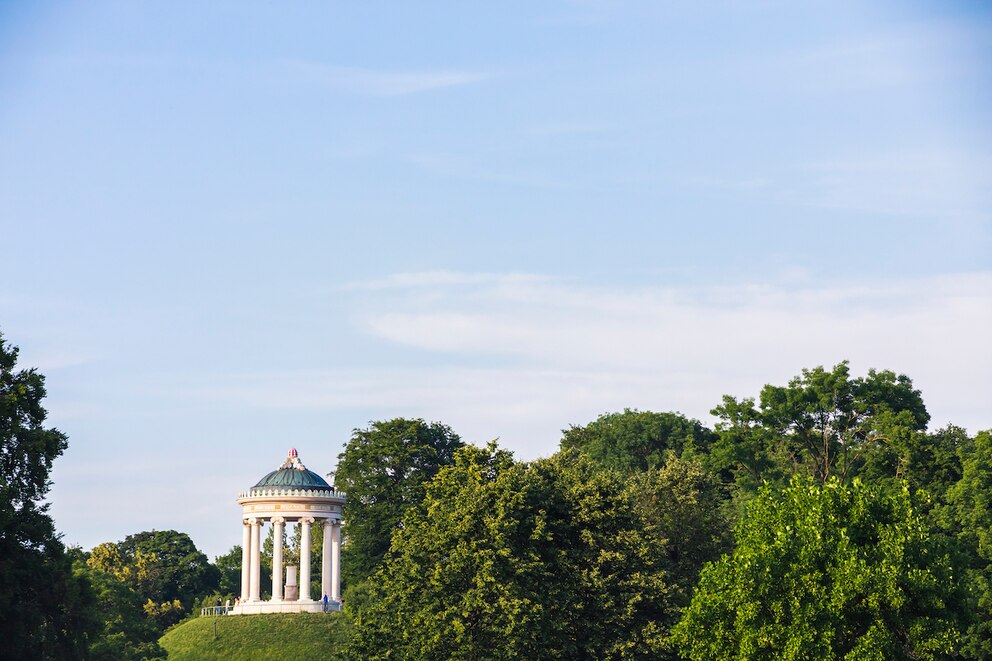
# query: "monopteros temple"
[[291, 494]]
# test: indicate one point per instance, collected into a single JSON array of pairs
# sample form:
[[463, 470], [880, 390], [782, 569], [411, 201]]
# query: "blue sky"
[[232, 228]]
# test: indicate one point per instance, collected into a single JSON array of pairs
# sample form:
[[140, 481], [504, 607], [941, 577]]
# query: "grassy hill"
[[277, 636]]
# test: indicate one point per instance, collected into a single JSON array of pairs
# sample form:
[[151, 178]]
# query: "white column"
[[336, 561], [256, 560], [305, 558], [245, 559], [277, 578], [325, 562]]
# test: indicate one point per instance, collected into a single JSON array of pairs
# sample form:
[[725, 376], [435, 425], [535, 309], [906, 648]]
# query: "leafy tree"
[[934, 461], [164, 614], [39, 594], [123, 630], [971, 509], [505, 560], [636, 440], [140, 572], [229, 568], [827, 571], [822, 424], [165, 566], [383, 470], [682, 507]]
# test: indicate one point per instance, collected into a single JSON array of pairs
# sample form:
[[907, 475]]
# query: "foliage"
[[164, 614], [124, 632], [383, 470], [971, 508], [510, 560], [934, 463], [42, 603], [827, 571], [258, 637], [823, 424], [682, 504], [229, 569], [140, 571], [165, 566], [636, 440]]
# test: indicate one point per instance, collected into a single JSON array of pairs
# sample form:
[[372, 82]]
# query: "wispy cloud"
[[648, 329], [521, 357]]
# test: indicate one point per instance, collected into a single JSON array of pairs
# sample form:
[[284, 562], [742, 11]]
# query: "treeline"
[[819, 520]]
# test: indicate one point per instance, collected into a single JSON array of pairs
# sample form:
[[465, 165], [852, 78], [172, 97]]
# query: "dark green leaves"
[[383, 470]]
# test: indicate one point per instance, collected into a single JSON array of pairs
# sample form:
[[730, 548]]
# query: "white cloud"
[[521, 357]]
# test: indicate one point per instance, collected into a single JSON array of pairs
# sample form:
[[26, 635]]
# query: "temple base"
[[257, 607]]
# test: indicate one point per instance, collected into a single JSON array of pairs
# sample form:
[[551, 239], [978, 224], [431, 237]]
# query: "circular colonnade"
[[291, 494]]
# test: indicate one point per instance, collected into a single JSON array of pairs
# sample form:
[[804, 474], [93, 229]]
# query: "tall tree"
[[506, 560], [383, 470], [35, 572], [823, 423], [636, 440], [827, 571]]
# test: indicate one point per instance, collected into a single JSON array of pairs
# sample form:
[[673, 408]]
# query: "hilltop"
[[275, 636]]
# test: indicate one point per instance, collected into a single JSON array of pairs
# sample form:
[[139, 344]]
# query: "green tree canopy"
[[823, 424], [506, 560], [165, 566], [383, 470], [971, 512], [122, 631], [682, 508], [827, 571], [36, 579], [229, 569], [636, 440]]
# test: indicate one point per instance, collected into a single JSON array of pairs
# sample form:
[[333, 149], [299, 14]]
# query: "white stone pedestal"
[[292, 589]]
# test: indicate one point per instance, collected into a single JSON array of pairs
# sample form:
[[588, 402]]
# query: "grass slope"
[[276, 636]]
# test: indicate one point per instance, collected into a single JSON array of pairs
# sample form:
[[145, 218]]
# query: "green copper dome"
[[292, 475]]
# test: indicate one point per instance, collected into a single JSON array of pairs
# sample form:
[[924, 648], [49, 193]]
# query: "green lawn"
[[277, 636]]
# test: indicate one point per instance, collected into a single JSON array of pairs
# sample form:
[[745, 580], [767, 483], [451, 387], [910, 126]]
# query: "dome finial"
[[293, 461]]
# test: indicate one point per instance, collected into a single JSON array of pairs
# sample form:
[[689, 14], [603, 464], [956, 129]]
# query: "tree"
[[383, 470], [970, 505], [165, 566], [822, 424], [827, 571], [636, 440], [682, 507], [122, 630], [36, 616], [140, 571], [506, 560], [229, 568]]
